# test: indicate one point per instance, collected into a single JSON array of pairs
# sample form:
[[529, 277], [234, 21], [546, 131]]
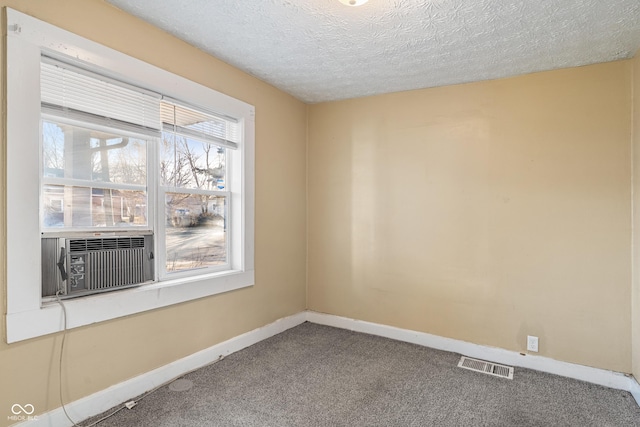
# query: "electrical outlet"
[[532, 343]]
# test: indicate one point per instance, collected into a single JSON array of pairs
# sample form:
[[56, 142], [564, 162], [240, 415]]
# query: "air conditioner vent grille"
[[95, 244], [77, 245], [111, 243], [111, 269]]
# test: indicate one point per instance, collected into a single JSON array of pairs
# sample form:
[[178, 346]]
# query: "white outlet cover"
[[532, 343]]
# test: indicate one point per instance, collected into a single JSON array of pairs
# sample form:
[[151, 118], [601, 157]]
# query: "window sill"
[[112, 305]]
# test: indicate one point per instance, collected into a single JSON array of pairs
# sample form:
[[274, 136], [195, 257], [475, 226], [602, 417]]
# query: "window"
[[119, 148], [193, 192], [97, 134], [96, 138]]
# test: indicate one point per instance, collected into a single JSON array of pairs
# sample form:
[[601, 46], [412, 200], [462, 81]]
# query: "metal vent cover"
[[484, 367], [101, 244], [114, 268]]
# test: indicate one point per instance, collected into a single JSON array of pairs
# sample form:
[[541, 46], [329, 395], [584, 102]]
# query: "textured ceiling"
[[322, 50]]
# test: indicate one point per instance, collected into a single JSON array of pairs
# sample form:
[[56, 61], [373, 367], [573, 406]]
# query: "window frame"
[[27, 316]]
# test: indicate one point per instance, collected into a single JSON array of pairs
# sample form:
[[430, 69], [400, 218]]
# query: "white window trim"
[[26, 316]]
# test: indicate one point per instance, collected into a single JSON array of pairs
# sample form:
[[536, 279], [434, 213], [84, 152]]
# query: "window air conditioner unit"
[[86, 265]]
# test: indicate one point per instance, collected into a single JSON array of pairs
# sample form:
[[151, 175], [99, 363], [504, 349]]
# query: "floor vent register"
[[488, 368]]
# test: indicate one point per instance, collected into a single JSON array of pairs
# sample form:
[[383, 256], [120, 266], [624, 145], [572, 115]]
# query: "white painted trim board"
[[598, 376], [110, 397]]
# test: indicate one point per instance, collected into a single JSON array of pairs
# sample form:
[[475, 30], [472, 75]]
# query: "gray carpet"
[[315, 375]]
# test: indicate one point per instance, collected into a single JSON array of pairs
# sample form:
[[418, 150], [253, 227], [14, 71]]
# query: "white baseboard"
[[108, 398], [635, 390], [603, 377]]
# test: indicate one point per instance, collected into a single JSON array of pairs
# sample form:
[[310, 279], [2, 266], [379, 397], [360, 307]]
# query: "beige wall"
[[111, 352], [484, 212], [636, 217]]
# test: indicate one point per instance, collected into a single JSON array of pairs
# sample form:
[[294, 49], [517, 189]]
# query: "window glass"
[[196, 226], [195, 222], [188, 163], [74, 206], [77, 164], [81, 153]]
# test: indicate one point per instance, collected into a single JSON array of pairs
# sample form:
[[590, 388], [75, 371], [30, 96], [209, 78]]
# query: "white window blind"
[[78, 94], [197, 124]]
